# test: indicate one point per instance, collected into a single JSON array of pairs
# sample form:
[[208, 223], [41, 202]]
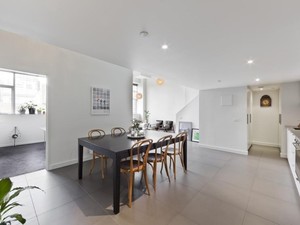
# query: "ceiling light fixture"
[[257, 79], [250, 61], [164, 46], [144, 33], [160, 81]]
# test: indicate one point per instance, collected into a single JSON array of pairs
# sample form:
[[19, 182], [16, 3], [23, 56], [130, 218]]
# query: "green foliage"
[[7, 203], [30, 105]]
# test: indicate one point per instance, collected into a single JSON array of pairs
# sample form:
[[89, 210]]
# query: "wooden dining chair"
[[117, 131], [135, 163], [159, 155], [177, 150], [93, 134]]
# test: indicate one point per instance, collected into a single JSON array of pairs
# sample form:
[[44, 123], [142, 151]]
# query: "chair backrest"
[[139, 152], [182, 136], [162, 144], [96, 133], [117, 131]]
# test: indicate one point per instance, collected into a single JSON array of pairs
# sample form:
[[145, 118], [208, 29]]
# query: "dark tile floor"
[[21, 159], [219, 189]]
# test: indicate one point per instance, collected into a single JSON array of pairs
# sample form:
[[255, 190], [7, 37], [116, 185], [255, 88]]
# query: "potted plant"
[[147, 114], [7, 201], [31, 107], [22, 109], [39, 110]]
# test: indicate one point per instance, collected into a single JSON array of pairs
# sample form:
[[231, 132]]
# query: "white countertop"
[[295, 132]]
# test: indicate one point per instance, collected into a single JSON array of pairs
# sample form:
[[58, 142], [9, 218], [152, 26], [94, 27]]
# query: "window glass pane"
[[6, 78], [134, 100], [30, 88], [5, 100]]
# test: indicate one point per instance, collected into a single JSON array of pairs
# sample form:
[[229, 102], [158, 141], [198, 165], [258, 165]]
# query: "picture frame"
[[100, 101], [195, 135], [186, 127]]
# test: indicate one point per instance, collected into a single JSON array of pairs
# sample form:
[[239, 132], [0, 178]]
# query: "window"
[[17, 88], [134, 99]]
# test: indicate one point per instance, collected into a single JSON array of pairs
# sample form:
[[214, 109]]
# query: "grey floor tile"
[[276, 190], [228, 193], [236, 177], [205, 209], [55, 197], [219, 188], [275, 210], [251, 219], [181, 220]]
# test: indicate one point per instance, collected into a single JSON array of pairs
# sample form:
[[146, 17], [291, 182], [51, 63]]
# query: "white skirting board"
[[224, 149]]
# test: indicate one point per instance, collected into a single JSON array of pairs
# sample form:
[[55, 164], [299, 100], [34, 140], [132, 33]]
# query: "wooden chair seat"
[[151, 157], [137, 166]]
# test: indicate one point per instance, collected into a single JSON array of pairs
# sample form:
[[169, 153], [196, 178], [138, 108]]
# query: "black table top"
[[112, 145]]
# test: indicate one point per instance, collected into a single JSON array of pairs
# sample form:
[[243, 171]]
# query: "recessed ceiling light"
[[164, 46], [250, 61], [144, 33], [257, 79]]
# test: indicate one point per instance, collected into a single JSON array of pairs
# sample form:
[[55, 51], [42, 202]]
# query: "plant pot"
[[22, 111], [31, 111]]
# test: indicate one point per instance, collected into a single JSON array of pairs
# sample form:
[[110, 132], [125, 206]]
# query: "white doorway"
[[264, 117]]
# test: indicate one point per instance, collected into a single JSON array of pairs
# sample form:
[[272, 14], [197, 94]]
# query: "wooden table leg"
[[116, 185], [185, 155], [80, 161]]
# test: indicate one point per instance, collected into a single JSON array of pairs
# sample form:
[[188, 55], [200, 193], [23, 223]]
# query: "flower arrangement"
[[22, 109], [135, 124]]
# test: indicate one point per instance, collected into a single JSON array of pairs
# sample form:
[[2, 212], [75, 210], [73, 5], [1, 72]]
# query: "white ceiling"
[[209, 41]]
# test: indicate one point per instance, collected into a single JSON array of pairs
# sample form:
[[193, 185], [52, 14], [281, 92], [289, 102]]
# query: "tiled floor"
[[219, 189]]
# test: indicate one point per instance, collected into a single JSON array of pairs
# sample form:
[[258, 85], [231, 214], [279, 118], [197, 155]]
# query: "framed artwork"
[[195, 135], [100, 101], [186, 126]]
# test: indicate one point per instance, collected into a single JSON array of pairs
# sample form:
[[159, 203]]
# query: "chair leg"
[[166, 168], [154, 175], [162, 166], [93, 164], [182, 163], [130, 183], [146, 180], [102, 167], [174, 167]]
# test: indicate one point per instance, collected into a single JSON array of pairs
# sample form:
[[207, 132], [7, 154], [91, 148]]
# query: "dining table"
[[117, 147]]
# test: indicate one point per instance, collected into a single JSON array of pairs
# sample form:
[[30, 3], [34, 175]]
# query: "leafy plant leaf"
[[5, 187]]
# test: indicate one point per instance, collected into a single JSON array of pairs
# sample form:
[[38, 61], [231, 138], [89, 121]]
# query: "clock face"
[[265, 101]]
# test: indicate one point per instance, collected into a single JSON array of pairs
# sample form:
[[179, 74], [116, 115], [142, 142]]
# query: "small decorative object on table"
[[135, 129]]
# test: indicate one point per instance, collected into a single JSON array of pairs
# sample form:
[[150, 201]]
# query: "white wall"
[[165, 101], [223, 127], [29, 127], [265, 120], [190, 113], [69, 78], [290, 110]]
